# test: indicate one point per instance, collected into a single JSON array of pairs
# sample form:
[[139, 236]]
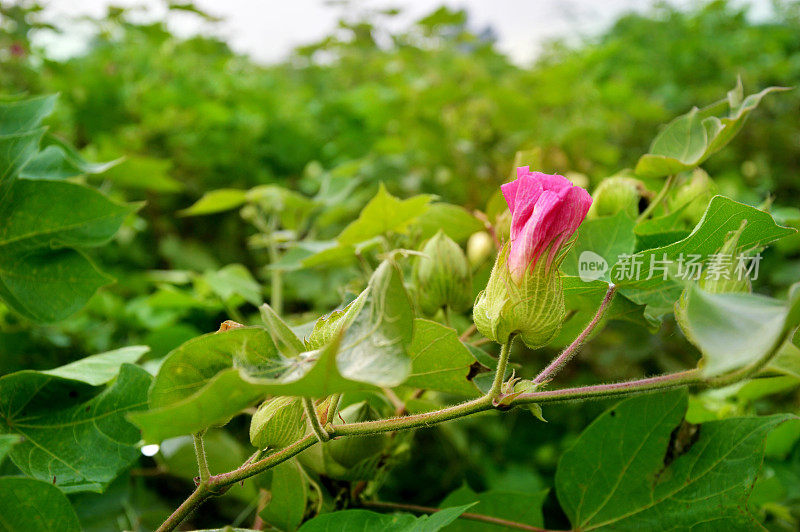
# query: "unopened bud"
[[532, 307], [693, 197], [616, 194], [479, 248], [277, 423], [443, 276]]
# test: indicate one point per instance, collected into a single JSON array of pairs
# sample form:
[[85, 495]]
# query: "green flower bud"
[[693, 196], [616, 194], [356, 458], [443, 276], [278, 423], [479, 247], [532, 308]]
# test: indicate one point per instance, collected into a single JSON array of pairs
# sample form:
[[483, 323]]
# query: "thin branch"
[[218, 484], [313, 420], [561, 360], [380, 505], [200, 453], [500, 373]]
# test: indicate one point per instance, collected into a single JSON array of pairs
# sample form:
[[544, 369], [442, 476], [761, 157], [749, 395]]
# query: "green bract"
[[534, 310], [277, 423], [443, 276]]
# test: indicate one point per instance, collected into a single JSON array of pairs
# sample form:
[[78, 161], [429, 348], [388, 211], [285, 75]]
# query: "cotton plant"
[[332, 404]]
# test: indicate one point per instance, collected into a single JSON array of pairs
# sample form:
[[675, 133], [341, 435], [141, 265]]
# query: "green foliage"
[[310, 184], [23, 499], [42, 275], [690, 139], [60, 418], [735, 331], [365, 520], [629, 469]]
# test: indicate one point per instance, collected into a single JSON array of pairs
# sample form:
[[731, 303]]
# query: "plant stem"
[[182, 512], [200, 452], [276, 275], [500, 373], [313, 420], [333, 407], [380, 505], [658, 199], [561, 360], [599, 391], [217, 483]]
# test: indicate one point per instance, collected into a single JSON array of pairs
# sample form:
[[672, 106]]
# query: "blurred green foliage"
[[433, 108]]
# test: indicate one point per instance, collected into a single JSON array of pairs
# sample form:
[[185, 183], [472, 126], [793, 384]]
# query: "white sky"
[[268, 29]]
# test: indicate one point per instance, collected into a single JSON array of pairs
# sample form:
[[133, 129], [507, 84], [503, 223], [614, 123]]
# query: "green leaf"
[[27, 505], [77, 445], [287, 504], [582, 301], [787, 361], [690, 139], [234, 280], [209, 379], [627, 472], [142, 172], [188, 368], [722, 217], [439, 361], [373, 521], [41, 277], [663, 230], [7, 441], [102, 368], [60, 161], [515, 506], [216, 201], [292, 207], [384, 214], [284, 336], [455, 221], [605, 238], [735, 330]]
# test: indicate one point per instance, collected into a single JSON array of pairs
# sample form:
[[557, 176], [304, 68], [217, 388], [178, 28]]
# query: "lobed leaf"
[[632, 470]]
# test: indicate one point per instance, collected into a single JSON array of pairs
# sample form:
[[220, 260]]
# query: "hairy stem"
[[313, 420], [658, 199], [500, 373], [561, 360], [218, 484], [333, 407], [392, 506], [187, 507], [200, 453]]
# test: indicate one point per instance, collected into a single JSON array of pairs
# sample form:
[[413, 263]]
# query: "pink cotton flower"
[[546, 210]]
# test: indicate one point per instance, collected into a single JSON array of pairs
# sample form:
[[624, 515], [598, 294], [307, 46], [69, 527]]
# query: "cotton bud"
[[443, 276], [479, 247], [277, 423], [693, 197], [524, 295], [616, 194]]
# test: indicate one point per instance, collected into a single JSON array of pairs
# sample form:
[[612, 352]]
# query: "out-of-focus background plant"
[[249, 172]]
